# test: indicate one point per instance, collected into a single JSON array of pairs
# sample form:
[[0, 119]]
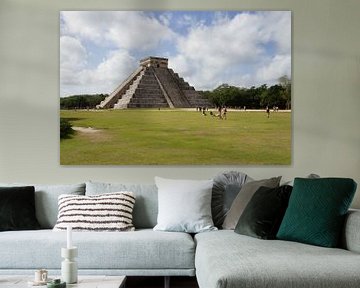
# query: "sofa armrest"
[[351, 234]]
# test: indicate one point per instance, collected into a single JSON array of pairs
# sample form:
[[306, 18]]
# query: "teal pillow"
[[316, 211]]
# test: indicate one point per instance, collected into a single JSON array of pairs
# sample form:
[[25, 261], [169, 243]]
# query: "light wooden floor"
[[158, 282]]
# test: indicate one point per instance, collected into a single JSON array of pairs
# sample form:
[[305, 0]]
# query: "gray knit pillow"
[[105, 212], [225, 189]]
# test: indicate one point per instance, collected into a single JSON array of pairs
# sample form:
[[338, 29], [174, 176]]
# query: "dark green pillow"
[[17, 208], [264, 212], [316, 211]]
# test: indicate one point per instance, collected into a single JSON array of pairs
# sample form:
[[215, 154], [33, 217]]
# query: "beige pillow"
[[243, 198]]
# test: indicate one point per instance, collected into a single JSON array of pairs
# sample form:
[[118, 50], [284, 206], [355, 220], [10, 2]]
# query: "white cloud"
[[278, 26], [122, 29], [73, 58], [104, 78], [209, 53], [109, 73], [278, 66]]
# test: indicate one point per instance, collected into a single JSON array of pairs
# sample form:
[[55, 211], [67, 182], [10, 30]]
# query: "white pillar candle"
[[69, 239]]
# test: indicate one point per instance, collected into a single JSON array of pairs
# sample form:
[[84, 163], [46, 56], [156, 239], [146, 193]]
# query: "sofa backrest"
[[146, 203]]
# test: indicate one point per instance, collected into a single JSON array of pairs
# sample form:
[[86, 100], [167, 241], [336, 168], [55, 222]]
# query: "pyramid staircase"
[[124, 101], [154, 85], [148, 93]]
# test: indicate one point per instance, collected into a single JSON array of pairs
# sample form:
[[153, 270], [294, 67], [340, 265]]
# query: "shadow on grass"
[[68, 135], [72, 118]]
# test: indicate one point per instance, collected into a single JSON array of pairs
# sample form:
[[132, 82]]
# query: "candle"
[[69, 240]]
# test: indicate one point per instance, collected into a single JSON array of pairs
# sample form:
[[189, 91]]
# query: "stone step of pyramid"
[[143, 105], [147, 100], [148, 90]]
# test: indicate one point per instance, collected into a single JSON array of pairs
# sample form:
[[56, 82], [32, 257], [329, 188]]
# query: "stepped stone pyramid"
[[154, 85]]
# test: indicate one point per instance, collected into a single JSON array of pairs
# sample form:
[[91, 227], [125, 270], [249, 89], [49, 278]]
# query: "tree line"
[[278, 95], [85, 101]]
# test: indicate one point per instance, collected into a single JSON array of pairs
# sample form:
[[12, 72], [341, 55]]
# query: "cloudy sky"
[[99, 49]]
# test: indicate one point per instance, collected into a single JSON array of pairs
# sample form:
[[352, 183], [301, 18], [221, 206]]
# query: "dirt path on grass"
[[86, 130]]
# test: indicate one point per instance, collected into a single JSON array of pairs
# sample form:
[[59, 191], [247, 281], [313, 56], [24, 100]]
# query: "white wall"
[[326, 91]]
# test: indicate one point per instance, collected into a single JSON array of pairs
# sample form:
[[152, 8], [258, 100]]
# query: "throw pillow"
[[46, 200], [17, 208], [105, 212], [146, 205], [184, 205], [226, 187], [243, 198], [316, 211], [263, 215]]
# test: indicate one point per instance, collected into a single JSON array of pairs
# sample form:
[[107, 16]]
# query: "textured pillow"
[[17, 209], [263, 215], [106, 212], [146, 205], [226, 187], [46, 200], [317, 209], [243, 198], [184, 205]]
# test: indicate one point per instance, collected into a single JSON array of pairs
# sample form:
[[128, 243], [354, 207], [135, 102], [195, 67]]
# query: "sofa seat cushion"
[[226, 259], [142, 249]]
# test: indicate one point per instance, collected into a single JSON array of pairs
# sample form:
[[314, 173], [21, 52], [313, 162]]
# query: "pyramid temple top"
[[154, 62]]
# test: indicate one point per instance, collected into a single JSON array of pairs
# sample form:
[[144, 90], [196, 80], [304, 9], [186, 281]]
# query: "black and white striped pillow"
[[105, 212]]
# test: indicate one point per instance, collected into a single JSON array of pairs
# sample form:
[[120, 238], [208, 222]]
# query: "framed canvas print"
[[175, 88]]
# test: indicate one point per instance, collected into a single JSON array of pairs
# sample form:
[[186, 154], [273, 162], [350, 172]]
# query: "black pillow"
[[263, 214], [17, 208]]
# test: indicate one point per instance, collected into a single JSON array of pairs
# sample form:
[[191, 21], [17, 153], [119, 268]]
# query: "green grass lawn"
[[141, 136]]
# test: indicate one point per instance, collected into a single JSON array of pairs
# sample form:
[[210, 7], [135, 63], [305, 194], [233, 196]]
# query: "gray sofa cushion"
[[143, 249], [225, 189], [146, 204], [46, 200], [226, 259]]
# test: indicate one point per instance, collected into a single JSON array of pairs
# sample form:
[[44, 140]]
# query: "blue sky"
[[99, 49]]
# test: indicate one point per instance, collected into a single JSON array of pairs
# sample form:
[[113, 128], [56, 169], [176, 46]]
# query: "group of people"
[[221, 112]]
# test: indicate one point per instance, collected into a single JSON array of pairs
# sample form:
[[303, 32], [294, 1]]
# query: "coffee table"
[[84, 281]]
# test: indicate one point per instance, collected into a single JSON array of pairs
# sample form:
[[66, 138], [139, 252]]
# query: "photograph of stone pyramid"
[[154, 85], [175, 88]]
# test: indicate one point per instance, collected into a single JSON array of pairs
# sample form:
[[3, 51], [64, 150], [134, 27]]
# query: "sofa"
[[218, 259]]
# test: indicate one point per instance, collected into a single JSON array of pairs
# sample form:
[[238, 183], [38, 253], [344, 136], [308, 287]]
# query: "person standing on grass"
[[224, 113], [268, 111]]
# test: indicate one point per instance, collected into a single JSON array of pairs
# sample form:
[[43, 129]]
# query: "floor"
[[158, 282]]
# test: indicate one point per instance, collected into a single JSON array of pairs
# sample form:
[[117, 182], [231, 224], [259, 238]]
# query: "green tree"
[[273, 97], [81, 101], [224, 95], [285, 82], [65, 128]]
